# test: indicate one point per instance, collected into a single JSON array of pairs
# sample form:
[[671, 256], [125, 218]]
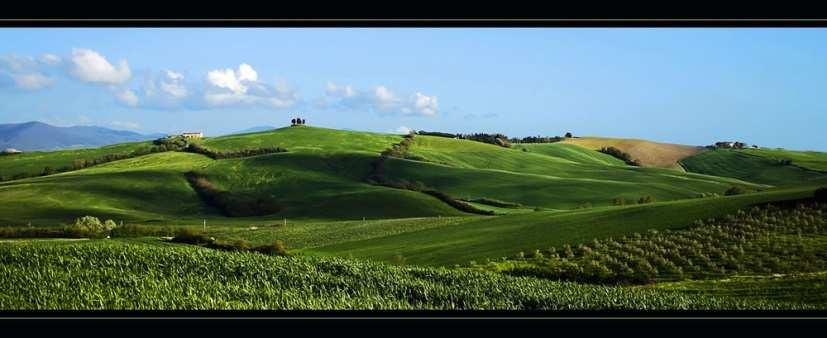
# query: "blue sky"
[[693, 86]]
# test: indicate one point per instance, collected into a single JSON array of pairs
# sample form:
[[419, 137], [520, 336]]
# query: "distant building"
[[193, 135], [8, 151]]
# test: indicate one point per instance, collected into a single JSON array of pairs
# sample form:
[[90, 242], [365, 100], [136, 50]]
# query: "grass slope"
[[473, 170], [109, 275], [320, 178], [570, 152], [32, 163], [650, 154], [502, 236], [306, 139], [806, 288], [745, 165], [812, 160], [144, 188]]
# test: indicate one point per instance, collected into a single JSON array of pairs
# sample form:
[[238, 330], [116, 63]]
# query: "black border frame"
[[765, 321]]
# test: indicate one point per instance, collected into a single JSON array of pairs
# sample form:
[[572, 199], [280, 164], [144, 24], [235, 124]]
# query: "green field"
[[570, 152], [345, 230], [806, 288], [33, 163], [812, 160], [112, 275], [306, 139], [749, 166]]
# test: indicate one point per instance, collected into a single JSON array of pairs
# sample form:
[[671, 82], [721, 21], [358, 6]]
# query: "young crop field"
[[136, 275]]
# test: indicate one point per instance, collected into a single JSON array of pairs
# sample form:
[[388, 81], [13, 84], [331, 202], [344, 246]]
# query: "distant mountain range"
[[32, 136]]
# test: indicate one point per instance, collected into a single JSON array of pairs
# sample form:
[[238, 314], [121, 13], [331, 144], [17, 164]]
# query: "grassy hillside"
[[32, 163], [109, 275], [505, 235], [746, 165], [570, 152], [306, 139], [145, 188], [470, 169], [322, 185], [807, 289], [650, 154], [319, 178], [598, 186], [812, 160]]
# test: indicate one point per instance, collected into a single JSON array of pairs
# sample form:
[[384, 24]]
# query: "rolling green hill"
[[812, 160], [570, 152], [469, 169], [146, 188], [306, 139], [32, 163], [757, 166]]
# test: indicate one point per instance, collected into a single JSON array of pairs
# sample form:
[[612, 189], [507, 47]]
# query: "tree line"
[[620, 154], [231, 204], [378, 176]]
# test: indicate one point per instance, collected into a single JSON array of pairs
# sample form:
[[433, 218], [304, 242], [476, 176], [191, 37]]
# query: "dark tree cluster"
[[218, 155], [620, 154], [537, 139], [378, 176], [189, 236], [728, 145], [231, 205], [297, 122]]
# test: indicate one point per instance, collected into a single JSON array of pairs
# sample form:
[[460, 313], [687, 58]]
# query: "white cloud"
[[17, 64], [379, 98], [247, 73], [175, 76], [50, 59], [403, 130], [241, 87], [343, 91], [128, 97], [424, 104], [25, 72], [126, 124], [90, 66], [32, 81], [384, 99], [174, 85]]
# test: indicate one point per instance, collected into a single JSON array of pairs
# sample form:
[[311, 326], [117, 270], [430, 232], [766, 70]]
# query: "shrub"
[[277, 248], [734, 191], [618, 201], [645, 199], [821, 194], [190, 236], [398, 259], [622, 155]]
